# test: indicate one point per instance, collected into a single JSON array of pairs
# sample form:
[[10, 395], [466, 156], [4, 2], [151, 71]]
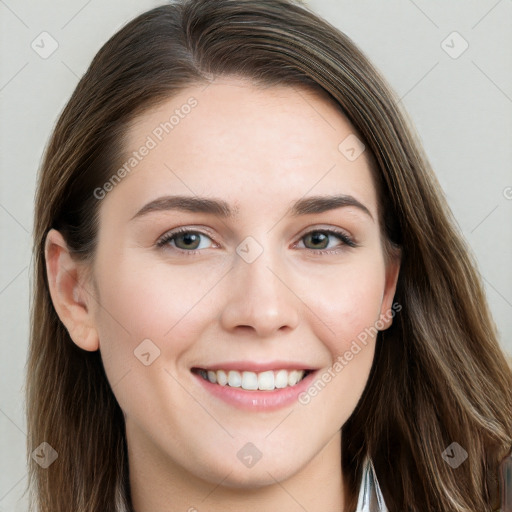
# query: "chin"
[[253, 478], [232, 473]]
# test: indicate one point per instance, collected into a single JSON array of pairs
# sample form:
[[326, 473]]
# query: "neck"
[[160, 485]]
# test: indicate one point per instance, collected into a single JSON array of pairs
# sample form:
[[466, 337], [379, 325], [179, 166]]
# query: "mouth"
[[268, 380]]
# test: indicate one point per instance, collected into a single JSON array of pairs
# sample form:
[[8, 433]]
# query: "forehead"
[[239, 141]]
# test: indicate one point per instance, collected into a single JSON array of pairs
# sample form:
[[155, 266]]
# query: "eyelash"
[[162, 241]]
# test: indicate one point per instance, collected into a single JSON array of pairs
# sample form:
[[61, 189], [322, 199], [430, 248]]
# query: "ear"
[[392, 271], [68, 281]]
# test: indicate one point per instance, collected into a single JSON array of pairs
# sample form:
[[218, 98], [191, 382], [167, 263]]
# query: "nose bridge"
[[259, 275], [260, 298]]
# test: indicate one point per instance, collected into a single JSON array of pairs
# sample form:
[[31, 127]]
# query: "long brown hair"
[[438, 376]]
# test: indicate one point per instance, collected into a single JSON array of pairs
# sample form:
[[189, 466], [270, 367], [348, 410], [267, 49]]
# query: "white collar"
[[370, 496]]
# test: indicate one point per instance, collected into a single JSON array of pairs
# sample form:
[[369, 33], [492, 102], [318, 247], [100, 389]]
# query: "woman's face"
[[268, 288]]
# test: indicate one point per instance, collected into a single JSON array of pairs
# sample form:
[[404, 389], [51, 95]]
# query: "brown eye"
[[183, 240], [318, 239], [189, 240]]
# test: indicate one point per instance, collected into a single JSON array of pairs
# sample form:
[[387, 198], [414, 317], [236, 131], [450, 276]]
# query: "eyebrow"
[[220, 208]]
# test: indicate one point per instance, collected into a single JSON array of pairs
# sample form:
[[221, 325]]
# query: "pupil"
[[188, 238], [318, 237]]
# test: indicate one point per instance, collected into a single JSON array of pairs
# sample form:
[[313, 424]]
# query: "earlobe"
[[67, 281]]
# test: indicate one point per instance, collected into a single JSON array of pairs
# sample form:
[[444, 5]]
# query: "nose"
[[260, 298]]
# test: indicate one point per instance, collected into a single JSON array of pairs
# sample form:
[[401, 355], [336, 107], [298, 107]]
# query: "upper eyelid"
[[331, 229]]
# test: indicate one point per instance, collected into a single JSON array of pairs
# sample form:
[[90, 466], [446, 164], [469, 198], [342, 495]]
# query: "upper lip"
[[253, 366]]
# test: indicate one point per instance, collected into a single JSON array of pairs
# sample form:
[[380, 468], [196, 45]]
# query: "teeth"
[[281, 379], [222, 378], [293, 377], [249, 380], [234, 379], [264, 381]]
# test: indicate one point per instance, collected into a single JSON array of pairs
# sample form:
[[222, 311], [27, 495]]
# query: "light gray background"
[[461, 108]]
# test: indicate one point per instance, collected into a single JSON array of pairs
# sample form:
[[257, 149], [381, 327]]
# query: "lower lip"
[[258, 400]]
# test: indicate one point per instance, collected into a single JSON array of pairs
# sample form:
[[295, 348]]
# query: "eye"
[[189, 241], [183, 239], [320, 239]]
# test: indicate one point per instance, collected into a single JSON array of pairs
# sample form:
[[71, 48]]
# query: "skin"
[[259, 150]]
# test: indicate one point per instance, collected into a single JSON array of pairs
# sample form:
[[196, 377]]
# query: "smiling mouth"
[[262, 381]]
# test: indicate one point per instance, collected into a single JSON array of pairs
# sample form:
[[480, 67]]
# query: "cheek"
[[139, 302], [151, 300], [151, 315], [349, 305], [349, 312]]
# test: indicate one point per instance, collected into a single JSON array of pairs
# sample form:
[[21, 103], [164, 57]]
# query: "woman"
[[195, 344]]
